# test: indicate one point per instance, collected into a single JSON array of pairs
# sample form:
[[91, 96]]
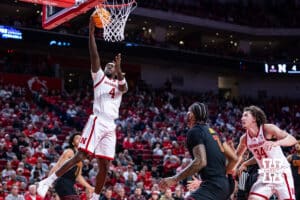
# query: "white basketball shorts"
[[284, 190], [98, 138]]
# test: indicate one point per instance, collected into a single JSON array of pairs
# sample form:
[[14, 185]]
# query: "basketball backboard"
[[54, 16]]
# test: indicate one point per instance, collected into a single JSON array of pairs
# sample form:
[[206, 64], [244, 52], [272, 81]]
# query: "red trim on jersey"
[[93, 155], [260, 195], [90, 136], [288, 186], [99, 81], [105, 157]]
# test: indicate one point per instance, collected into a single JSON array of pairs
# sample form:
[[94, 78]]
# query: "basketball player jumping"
[[98, 136], [257, 139]]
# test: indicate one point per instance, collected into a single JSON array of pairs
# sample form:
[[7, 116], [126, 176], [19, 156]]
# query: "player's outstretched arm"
[[94, 56], [120, 75]]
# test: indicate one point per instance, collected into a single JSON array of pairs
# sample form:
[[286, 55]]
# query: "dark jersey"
[[64, 185], [295, 165], [200, 134]]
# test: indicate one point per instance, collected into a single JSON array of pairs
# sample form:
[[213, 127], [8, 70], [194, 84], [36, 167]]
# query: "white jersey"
[[257, 146], [107, 96]]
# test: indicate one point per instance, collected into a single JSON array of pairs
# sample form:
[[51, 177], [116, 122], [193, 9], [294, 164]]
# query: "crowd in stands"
[[34, 130]]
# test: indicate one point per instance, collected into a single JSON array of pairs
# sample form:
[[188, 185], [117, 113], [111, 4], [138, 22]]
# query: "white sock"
[[95, 196], [51, 178]]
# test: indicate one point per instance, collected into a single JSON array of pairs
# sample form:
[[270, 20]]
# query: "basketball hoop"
[[114, 26]]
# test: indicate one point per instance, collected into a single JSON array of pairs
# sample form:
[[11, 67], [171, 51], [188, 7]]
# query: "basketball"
[[98, 20]]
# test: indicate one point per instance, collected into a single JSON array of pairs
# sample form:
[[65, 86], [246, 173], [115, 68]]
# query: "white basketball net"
[[113, 27]]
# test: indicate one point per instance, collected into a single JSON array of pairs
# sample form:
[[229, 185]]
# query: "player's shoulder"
[[243, 138], [269, 126], [68, 152]]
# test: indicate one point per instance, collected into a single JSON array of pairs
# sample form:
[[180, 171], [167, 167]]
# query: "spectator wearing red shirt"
[[2, 194], [128, 142], [29, 131], [31, 194], [177, 149]]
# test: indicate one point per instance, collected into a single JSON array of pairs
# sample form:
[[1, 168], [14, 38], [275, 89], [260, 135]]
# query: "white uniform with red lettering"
[[265, 189], [98, 136]]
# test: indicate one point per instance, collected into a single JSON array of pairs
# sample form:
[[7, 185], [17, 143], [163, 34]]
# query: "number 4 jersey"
[[107, 96], [257, 145]]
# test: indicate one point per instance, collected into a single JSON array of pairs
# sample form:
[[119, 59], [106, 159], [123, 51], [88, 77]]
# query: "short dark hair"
[[200, 111], [258, 114]]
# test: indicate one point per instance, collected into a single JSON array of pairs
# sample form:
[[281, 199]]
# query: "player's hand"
[[194, 184], [269, 145], [117, 62], [89, 192], [92, 24], [167, 182], [241, 169]]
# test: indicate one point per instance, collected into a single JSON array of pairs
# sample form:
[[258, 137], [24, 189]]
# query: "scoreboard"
[[282, 68]]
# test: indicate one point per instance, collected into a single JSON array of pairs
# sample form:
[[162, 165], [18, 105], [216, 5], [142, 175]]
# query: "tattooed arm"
[[196, 165]]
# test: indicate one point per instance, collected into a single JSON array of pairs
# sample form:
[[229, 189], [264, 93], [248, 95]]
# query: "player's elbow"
[[203, 163], [200, 163]]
